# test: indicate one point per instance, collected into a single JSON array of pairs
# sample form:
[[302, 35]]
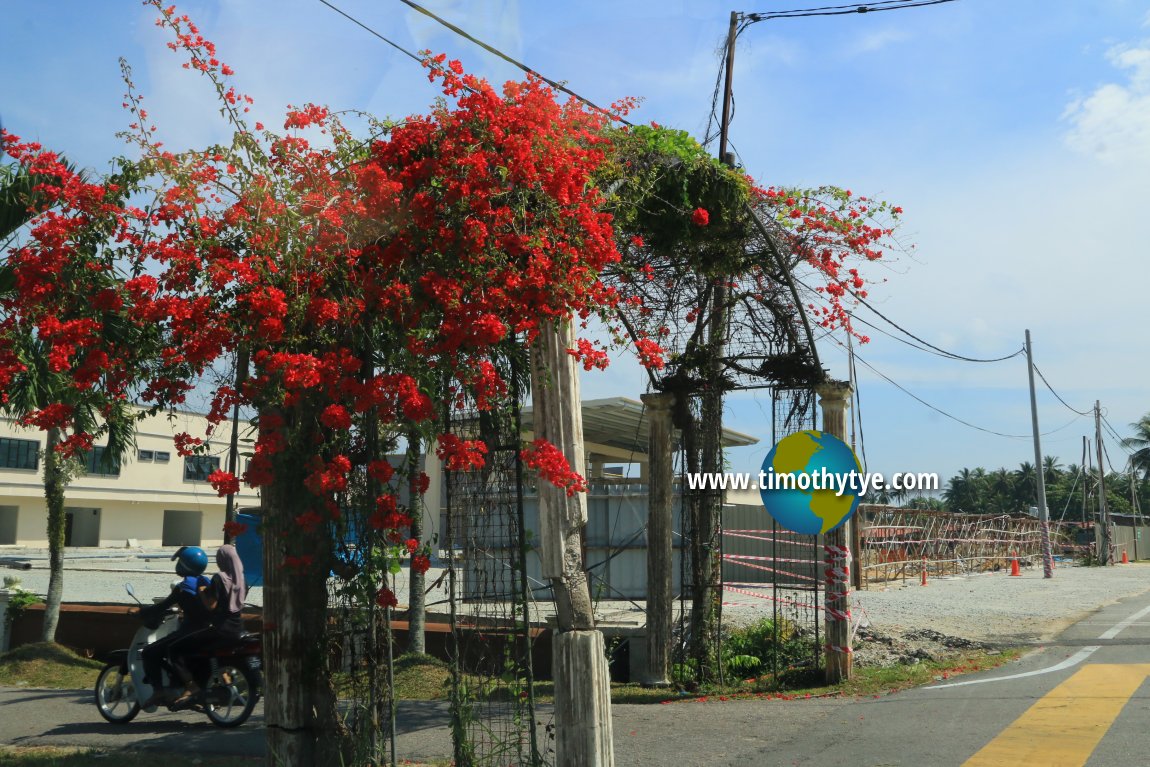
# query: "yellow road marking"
[[1064, 726]]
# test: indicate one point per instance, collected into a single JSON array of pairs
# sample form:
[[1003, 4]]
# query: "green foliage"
[[1003, 491], [764, 646], [659, 178], [19, 601]]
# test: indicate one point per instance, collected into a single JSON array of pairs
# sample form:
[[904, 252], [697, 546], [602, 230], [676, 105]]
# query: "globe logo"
[[809, 482]]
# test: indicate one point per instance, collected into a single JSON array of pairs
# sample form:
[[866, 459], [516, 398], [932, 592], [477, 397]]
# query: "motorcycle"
[[229, 677]]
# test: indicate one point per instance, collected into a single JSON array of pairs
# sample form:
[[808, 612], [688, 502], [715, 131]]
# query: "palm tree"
[[962, 492], [1003, 489], [34, 389], [1140, 444], [38, 387], [1025, 490]]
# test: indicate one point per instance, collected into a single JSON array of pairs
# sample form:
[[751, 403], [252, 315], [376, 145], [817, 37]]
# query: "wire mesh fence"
[[772, 577], [494, 717]]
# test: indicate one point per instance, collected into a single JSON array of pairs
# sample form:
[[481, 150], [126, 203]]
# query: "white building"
[[156, 498]]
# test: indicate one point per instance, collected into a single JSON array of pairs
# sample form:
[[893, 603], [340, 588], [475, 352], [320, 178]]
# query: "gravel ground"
[[907, 623], [98, 575], [995, 607]]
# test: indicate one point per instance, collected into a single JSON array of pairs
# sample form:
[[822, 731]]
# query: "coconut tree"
[[1025, 486], [35, 389], [39, 386], [1140, 444]]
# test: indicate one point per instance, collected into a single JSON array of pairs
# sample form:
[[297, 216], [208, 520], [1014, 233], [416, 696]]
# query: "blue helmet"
[[190, 560]]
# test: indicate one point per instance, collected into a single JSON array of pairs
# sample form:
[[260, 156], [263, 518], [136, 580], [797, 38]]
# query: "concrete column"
[[834, 399], [660, 520], [433, 498], [582, 733]]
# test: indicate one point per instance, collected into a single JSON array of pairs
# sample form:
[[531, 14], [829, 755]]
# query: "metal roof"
[[621, 423]]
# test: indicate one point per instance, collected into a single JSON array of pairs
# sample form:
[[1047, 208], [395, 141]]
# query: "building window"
[[198, 467], [162, 456], [147, 455], [19, 453], [94, 463]]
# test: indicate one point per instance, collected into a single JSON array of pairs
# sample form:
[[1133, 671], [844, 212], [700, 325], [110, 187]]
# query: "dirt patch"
[[881, 649]]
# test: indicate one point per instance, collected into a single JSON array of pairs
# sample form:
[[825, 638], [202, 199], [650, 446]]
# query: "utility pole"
[[1086, 472], [706, 522], [1040, 479], [1102, 537], [242, 364]]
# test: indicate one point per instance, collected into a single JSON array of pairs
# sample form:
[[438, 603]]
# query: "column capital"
[[658, 400], [832, 391]]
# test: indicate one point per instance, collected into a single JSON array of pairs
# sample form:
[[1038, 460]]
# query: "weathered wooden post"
[[582, 681], [660, 523], [834, 398]]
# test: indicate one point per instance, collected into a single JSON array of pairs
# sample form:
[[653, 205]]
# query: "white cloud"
[[877, 40], [1113, 122]]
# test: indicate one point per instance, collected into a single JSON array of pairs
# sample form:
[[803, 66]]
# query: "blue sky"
[[1016, 136]]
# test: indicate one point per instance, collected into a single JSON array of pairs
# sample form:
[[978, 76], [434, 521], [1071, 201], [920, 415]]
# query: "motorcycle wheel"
[[116, 695], [231, 695]]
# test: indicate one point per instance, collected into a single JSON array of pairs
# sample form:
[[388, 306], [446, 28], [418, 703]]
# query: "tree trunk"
[[416, 606], [303, 728], [706, 560], [54, 499]]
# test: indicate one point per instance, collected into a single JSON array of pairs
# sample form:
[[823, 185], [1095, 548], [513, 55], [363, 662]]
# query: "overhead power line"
[[1114, 433], [360, 24], [1059, 396], [942, 412], [496, 52], [938, 349], [844, 10], [925, 346]]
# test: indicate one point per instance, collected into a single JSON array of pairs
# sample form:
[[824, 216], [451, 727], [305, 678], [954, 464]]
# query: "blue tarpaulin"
[[250, 547]]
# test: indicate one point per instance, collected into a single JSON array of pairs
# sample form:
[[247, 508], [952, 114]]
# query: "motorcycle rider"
[[223, 599], [191, 561]]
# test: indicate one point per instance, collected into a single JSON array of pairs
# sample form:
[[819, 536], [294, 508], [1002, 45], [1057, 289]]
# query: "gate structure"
[[493, 714], [771, 572]]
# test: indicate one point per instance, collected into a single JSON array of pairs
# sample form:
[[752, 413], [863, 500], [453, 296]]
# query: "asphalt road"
[[1066, 705]]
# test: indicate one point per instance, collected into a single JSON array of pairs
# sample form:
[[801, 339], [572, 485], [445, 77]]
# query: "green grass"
[[426, 678], [422, 677], [47, 665], [866, 681]]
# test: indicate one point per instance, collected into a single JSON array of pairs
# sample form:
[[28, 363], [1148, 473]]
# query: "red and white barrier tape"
[[753, 566]]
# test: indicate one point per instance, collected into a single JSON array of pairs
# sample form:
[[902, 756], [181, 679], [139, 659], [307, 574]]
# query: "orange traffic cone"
[[924, 571], [1014, 565], [1125, 559]]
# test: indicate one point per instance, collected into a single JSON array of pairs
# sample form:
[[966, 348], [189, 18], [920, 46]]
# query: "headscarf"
[[232, 576]]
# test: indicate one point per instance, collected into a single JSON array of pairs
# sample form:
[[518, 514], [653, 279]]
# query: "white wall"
[[130, 506]]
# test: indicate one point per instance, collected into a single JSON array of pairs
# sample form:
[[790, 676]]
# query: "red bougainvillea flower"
[[552, 465], [224, 482], [386, 598], [700, 217], [234, 529]]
